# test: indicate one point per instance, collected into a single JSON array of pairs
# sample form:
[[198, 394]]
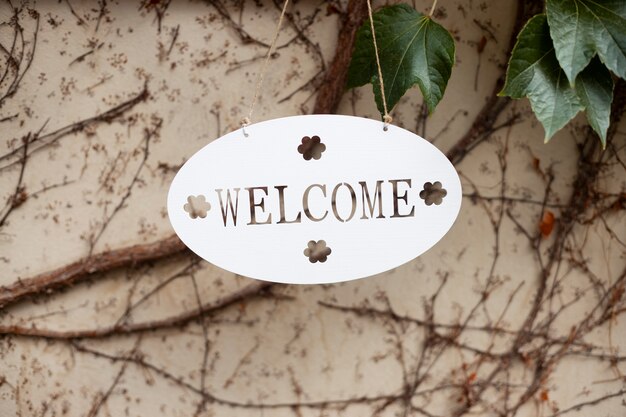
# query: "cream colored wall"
[[280, 353]]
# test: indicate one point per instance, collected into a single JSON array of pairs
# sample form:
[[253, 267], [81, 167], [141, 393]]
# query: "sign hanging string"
[[387, 119], [261, 75]]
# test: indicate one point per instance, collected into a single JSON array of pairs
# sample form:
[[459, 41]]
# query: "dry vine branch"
[[19, 195], [87, 268], [245, 37], [141, 362], [102, 398], [333, 85], [40, 142], [149, 134], [251, 290], [24, 57]]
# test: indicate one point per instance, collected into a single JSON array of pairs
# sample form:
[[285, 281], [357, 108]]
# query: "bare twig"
[[89, 267]]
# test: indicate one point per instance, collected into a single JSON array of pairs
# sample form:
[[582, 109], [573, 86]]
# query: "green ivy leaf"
[[582, 28], [534, 72], [412, 49], [571, 29], [594, 86]]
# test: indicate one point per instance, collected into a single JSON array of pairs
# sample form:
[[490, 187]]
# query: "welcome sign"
[[314, 199]]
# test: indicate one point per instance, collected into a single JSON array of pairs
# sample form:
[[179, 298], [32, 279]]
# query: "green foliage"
[[534, 72], [561, 62], [595, 88], [412, 50], [582, 28]]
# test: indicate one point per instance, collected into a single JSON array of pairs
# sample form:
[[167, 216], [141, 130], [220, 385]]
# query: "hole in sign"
[[433, 193], [311, 148], [317, 251], [197, 206]]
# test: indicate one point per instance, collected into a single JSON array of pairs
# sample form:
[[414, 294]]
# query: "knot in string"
[[244, 123], [387, 120]]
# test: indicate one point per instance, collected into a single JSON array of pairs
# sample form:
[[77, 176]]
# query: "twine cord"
[[432, 9], [261, 75], [387, 119]]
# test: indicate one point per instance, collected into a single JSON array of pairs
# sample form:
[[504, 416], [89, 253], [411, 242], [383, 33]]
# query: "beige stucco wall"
[[282, 353]]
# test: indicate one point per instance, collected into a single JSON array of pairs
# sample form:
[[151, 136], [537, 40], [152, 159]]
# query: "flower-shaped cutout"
[[433, 193], [317, 251], [197, 206], [312, 147]]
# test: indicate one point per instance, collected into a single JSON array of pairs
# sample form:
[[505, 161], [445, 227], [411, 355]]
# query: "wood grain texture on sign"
[[314, 199]]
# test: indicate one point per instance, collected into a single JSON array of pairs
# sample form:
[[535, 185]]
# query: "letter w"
[[229, 205]]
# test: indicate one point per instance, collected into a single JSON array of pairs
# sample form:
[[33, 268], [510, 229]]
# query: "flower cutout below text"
[[311, 148], [317, 251], [433, 193], [197, 206]]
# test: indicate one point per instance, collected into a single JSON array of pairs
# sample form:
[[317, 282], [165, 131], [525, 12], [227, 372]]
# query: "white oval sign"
[[314, 199]]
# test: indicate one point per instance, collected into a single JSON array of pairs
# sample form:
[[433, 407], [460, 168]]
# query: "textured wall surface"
[[515, 312]]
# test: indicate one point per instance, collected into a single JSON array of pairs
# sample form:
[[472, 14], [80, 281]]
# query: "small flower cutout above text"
[[311, 148]]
